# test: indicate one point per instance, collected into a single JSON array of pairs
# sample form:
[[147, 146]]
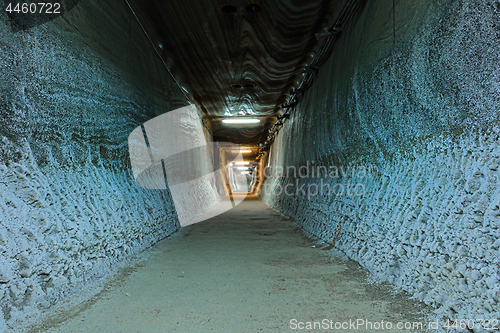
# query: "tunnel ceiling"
[[236, 58]]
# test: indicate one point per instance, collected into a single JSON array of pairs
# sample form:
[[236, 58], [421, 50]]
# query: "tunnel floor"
[[247, 270]]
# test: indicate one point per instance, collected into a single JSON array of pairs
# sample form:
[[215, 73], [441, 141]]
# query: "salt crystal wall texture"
[[409, 109], [71, 91]]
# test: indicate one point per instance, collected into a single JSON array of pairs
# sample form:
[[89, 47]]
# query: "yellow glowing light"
[[241, 151]]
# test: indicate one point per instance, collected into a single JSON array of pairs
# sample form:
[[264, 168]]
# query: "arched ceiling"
[[236, 57]]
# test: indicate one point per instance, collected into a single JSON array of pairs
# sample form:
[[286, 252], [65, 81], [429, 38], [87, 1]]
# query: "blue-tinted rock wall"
[[411, 95], [71, 91]]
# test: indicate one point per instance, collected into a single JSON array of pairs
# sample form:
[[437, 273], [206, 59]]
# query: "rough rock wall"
[[404, 116], [71, 91]]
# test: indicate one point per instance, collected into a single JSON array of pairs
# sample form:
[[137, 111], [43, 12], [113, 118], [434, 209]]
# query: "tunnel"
[[250, 166]]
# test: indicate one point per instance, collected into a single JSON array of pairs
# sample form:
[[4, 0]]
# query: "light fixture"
[[242, 168], [241, 151], [242, 163], [241, 120]]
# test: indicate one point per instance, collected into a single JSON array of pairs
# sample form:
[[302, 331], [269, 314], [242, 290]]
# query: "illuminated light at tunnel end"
[[241, 121]]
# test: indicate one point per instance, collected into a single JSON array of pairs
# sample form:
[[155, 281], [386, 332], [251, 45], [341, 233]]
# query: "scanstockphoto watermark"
[[310, 170], [365, 324], [311, 180], [312, 189]]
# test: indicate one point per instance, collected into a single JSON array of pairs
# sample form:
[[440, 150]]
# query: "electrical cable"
[[157, 53], [346, 13]]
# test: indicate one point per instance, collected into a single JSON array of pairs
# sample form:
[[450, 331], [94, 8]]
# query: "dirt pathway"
[[248, 270]]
